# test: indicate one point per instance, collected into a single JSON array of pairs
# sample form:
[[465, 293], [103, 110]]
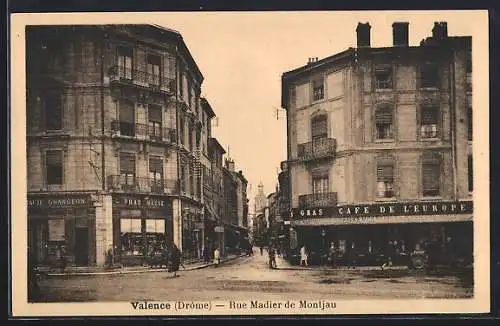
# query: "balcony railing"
[[326, 199], [319, 148], [142, 78], [142, 185], [143, 131]]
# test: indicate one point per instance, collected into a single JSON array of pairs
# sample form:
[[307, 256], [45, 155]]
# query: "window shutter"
[[127, 163], [383, 115], [54, 158], [127, 111], [385, 172], [156, 165], [319, 127], [429, 115], [155, 113], [431, 173]]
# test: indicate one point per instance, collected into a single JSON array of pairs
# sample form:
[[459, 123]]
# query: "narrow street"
[[249, 277]]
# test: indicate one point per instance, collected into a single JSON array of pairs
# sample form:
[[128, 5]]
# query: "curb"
[[145, 270]]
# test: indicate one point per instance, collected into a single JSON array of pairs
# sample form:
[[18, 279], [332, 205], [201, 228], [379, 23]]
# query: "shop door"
[[81, 246]]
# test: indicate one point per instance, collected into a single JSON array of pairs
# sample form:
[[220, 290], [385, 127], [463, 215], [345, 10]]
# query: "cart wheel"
[[418, 261]]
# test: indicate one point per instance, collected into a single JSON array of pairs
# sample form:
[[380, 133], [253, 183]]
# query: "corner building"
[[116, 142], [380, 145]]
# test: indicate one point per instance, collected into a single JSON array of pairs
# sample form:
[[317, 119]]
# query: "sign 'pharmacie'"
[[386, 209], [143, 201]]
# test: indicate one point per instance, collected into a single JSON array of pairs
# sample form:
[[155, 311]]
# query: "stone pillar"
[[177, 222], [104, 227]]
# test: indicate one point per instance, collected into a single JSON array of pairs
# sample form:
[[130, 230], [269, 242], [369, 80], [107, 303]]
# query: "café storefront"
[[447, 227], [141, 224], [61, 226]]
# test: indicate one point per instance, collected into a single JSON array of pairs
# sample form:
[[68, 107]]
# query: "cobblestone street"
[[249, 277]]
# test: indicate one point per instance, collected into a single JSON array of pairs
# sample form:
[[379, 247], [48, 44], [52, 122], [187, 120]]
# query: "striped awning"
[[382, 220]]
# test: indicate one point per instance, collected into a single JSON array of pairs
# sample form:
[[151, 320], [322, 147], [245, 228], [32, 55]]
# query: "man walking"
[[303, 256]]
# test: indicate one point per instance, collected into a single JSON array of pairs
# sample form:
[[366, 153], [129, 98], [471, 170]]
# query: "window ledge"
[[430, 139], [429, 88], [432, 198], [384, 199], [384, 140], [384, 90]]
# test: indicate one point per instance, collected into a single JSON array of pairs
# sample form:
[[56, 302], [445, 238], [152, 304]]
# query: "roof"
[[214, 142], [207, 107]]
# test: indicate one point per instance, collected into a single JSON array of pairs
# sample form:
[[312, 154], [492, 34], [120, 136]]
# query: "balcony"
[[143, 131], [317, 149], [326, 199], [142, 185], [142, 78]]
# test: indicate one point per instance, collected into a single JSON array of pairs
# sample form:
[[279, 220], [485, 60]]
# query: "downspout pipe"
[[103, 160], [453, 125], [177, 123]]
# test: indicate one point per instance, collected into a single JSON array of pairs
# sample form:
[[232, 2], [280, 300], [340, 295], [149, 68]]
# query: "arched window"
[[319, 127], [384, 123]]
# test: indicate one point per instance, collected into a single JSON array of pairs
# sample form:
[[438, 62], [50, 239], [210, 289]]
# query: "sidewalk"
[[285, 265], [81, 271]]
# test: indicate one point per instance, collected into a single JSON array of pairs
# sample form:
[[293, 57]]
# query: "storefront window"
[[131, 236]]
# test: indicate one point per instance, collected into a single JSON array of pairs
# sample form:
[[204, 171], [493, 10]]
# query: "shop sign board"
[[385, 209], [62, 201], [219, 229], [141, 201]]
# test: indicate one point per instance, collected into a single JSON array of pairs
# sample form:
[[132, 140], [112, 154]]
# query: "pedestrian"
[[216, 257], [351, 259], [175, 260], [62, 258], [332, 255], [261, 250], [389, 256], [206, 254], [272, 257], [278, 251], [303, 256]]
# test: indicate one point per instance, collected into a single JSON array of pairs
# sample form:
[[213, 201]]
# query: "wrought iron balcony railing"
[[143, 131], [318, 148], [142, 185], [325, 199], [142, 78]]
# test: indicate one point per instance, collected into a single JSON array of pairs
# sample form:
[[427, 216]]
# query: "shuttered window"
[[54, 167], [429, 76], [53, 112], [385, 179], [154, 63], [156, 168], [320, 185], [430, 122], [470, 173], [431, 175], [127, 118], [127, 168], [383, 123], [125, 62], [318, 89], [383, 78], [319, 127], [154, 124]]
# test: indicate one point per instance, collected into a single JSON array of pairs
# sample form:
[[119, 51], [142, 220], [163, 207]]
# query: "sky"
[[242, 56]]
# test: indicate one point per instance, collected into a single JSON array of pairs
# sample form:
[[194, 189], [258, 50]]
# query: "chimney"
[[400, 34], [363, 35], [440, 31]]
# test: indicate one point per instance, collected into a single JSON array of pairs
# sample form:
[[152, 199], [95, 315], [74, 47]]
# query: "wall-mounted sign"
[[386, 209], [141, 201], [219, 229], [58, 201]]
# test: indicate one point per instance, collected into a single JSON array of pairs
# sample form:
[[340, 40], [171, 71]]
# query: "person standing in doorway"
[[332, 255], [216, 257], [351, 256], [303, 256], [261, 250]]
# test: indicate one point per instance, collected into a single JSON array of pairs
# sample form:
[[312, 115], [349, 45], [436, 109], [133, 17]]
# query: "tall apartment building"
[[116, 141], [380, 145]]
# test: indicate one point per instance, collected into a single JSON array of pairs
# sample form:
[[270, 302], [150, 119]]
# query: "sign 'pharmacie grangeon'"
[[386, 209]]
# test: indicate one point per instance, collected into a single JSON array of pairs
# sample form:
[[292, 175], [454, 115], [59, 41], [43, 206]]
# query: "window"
[[318, 89], [54, 167], [429, 76], [319, 127], [127, 118], [181, 129], [383, 78], [469, 124], [155, 112], [156, 174], [385, 179], [154, 63], [320, 185], [429, 122], [383, 123], [198, 139], [125, 62], [190, 93], [190, 136], [470, 173], [431, 174], [181, 83], [127, 169], [53, 112]]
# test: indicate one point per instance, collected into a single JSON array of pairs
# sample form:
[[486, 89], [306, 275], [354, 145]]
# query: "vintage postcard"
[[250, 163]]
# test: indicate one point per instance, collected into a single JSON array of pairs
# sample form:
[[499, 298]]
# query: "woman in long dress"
[[303, 256]]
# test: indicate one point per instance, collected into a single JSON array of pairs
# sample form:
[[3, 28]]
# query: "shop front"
[[61, 229], [141, 224], [192, 231], [443, 229]]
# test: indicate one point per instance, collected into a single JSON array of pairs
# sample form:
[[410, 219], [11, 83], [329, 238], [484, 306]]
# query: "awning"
[[360, 220]]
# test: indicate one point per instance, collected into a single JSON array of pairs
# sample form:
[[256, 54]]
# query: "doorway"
[[81, 246]]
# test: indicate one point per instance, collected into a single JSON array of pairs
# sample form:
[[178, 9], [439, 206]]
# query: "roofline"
[[207, 107], [214, 140]]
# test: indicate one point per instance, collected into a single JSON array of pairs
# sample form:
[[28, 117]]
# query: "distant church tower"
[[260, 199]]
